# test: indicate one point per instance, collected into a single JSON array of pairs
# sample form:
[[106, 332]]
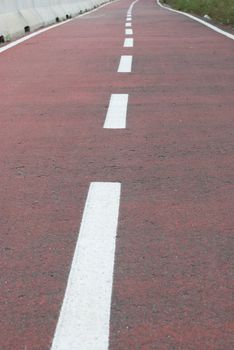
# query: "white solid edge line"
[[211, 26], [85, 314], [128, 24], [132, 5], [128, 31], [25, 38], [125, 64], [128, 42], [117, 112], [129, 12]]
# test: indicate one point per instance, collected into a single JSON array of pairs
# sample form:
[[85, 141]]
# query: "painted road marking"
[[117, 112], [211, 26], [128, 24], [131, 7], [128, 31], [129, 19], [25, 38], [128, 42], [85, 315], [125, 64]]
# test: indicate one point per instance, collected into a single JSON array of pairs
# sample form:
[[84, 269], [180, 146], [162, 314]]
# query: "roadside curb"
[[211, 26]]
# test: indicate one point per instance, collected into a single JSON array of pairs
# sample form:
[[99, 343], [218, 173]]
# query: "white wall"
[[18, 16]]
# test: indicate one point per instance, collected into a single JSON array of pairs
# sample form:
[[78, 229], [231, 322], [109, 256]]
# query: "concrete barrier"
[[18, 17], [12, 21], [43, 8], [57, 7], [74, 6], [33, 19], [3, 25]]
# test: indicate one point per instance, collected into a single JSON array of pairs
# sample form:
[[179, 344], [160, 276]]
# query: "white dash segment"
[[128, 42], [125, 64], [128, 24], [85, 315], [128, 31], [117, 112], [129, 19]]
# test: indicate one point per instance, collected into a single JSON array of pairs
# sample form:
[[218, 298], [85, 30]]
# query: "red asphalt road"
[[172, 282]]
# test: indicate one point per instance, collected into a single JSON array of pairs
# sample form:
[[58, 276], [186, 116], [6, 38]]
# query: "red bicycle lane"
[[173, 278], [55, 89], [174, 160]]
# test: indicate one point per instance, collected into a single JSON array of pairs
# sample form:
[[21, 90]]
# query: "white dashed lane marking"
[[128, 31], [117, 112], [85, 314], [125, 64], [128, 42]]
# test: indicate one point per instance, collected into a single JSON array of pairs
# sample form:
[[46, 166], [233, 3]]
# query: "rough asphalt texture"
[[172, 287]]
